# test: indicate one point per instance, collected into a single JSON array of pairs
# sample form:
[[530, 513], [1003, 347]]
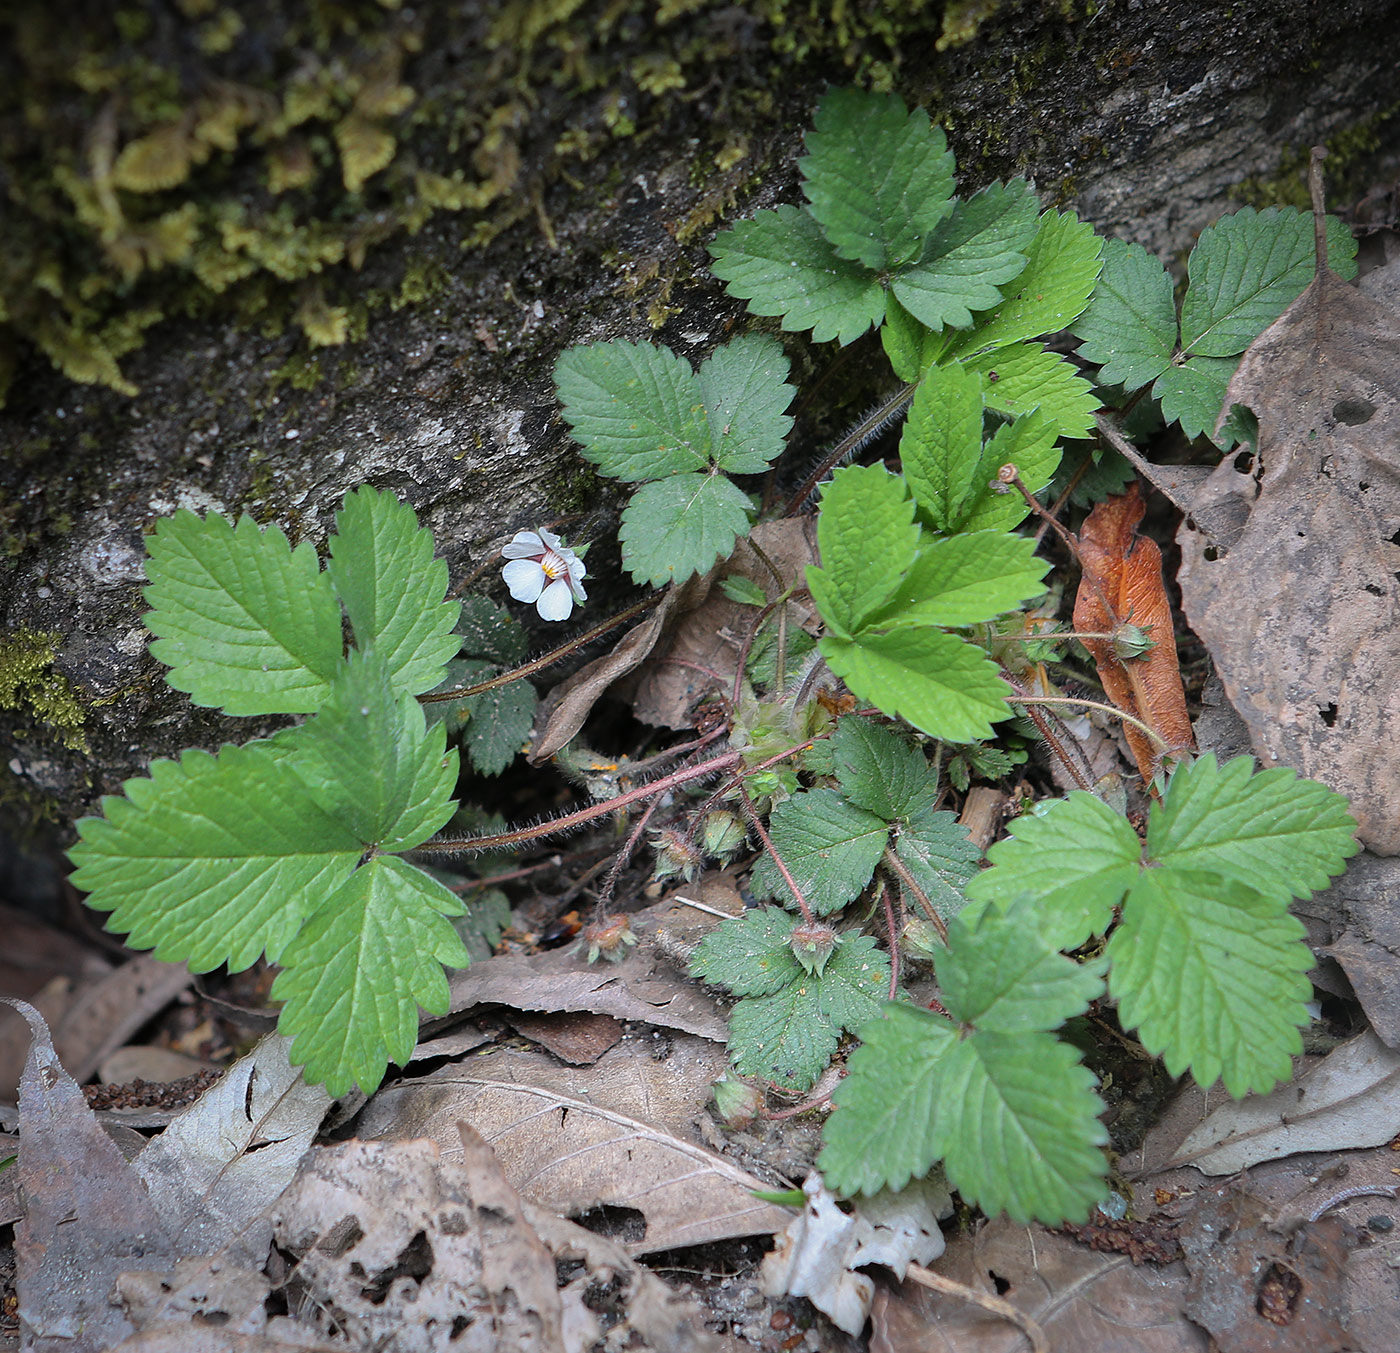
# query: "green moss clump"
[[1351, 156], [204, 158], [28, 682]]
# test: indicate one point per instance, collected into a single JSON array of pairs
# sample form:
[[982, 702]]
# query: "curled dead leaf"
[[1122, 582]]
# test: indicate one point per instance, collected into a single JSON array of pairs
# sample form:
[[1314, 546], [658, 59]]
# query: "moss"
[[1352, 154], [30, 684], [193, 164]]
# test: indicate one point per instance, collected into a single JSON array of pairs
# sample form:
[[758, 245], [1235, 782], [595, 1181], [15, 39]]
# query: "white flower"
[[545, 572]]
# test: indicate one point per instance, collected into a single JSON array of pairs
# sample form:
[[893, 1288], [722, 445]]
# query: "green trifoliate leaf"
[[490, 632], [1017, 1125], [635, 409], [940, 448], [1026, 376], [1003, 975], [780, 263], [966, 579], [868, 538], [789, 1037], [373, 760], [830, 847], [392, 588], [1212, 975], [879, 178], [1129, 328], [881, 1135], [1076, 859], [854, 983], [934, 847], [1193, 391], [1031, 444], [679, 526], [750, 954], [499, 725], [979, 248], [944, 687], [214, 859], [1062, 266], [782, 1037], [880, 771], [244, 622], [354, 977], [1247, 269], [1275, 832], [911, 347], [745, 391]]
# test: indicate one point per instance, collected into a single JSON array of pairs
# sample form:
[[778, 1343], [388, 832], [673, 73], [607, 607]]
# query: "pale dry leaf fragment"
[[619, 1134], [87, 1216], [404, 1250], [1349, 1099], [1301, 612], [819, 1253], [221, 1163], [196, 1291], [665, 1321]]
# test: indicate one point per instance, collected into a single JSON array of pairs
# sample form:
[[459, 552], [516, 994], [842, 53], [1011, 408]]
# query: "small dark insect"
[[993, 377], [560, 931]]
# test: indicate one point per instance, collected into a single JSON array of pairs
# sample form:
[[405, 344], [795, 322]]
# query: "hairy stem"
[[756, 823], [582, 816], [900, 870], [868, 426], [549, 659], [1147, 729]]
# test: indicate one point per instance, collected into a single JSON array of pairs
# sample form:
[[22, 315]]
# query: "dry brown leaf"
[[400, 1247], [576, 1037], [1081, 1299], [665, 1321], [564, 709], [1363, 925], [1302, 614], [224, 1160], [641, 987], [1258, 1291], [107, 1013], [1124, 570], [701, 655], [87, 1217], [618, 1133]]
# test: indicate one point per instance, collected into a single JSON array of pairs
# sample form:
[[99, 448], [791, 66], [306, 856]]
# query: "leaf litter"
[[621, 1133], [1299, 610]]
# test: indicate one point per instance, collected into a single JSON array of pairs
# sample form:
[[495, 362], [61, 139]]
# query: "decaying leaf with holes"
[[1301, 611], [1122, 585]]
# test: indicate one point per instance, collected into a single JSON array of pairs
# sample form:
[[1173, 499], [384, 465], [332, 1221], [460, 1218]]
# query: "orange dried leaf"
[[1122, 583]]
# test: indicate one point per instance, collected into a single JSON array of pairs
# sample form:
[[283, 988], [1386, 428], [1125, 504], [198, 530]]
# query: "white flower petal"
[[550, 539], [576, 588], [523, 545], [556, 602], [525, 578]]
